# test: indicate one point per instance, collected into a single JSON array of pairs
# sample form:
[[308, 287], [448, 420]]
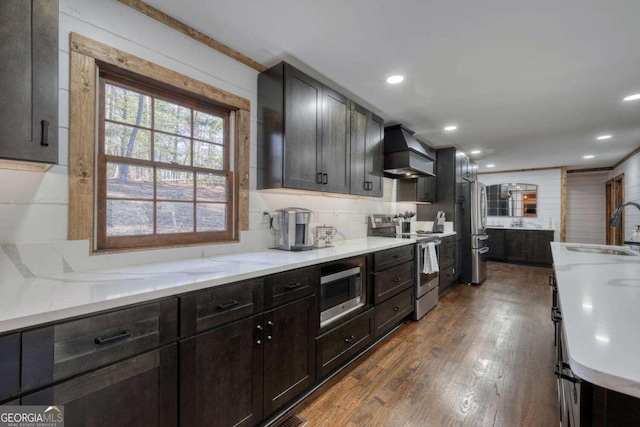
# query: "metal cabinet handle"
[[292, 286], [126, 333], [397, 279], [259, 333], [270, 331], [44, 141], [319, 178], [556, 315], [396, 308], [350, 338], [325, 178], [228, 305]]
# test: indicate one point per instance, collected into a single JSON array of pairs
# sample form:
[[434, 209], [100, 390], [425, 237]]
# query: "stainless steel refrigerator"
[[474, 253]]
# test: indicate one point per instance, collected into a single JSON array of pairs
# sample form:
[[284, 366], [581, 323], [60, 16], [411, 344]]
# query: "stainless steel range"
[[426, 284]]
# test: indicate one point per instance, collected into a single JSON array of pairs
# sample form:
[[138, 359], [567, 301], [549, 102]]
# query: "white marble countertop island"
[[600, 304], [33, 301]]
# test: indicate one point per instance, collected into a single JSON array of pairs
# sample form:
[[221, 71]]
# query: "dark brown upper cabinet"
[[305, 137], [29, 80], [367, 152]]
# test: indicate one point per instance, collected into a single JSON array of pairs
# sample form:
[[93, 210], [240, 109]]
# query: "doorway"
[[615, 197]]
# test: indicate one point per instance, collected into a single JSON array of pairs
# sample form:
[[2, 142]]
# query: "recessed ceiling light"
[[476, 152], [590, 156], [491, 166], [395, 79], [633, 97], [450, 128], [604, 137]]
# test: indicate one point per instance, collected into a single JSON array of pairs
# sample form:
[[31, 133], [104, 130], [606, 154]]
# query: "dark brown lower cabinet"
[[289, 352], [527, 246], [390, 312], [515, 245], [9, 366], [239, 374], [220, 376], [140, 391]]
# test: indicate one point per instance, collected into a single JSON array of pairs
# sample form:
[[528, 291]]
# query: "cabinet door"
[[515, 245], [335, 142], [221, 376], [426, 189], [141, 391], [29, 80], [496, 244], [289, 352], [367, 136], [9, 365], [303, 131], [540, 247], [374, 156]]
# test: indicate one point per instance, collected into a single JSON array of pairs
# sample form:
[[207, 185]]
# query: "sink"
[[603, 251]]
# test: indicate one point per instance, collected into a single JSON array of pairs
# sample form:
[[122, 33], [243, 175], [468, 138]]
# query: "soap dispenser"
[[635, 237]]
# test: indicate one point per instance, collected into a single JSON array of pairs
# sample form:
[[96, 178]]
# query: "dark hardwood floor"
[[483, 357]]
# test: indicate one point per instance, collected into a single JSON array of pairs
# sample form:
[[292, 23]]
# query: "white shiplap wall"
[[34, 206], [586, 222], [549, 185], [631, 170]]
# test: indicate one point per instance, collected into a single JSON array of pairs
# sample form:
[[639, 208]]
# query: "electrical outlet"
[[264, 217]]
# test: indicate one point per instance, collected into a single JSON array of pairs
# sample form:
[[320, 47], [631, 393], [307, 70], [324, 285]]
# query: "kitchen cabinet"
[[468, 168], [448, 257], [240, 372], [140, 391], [393, 282], [29, 80], [521, 246], [367, 154], [341, 343], [417, 189], [9, 366], [305, 137]]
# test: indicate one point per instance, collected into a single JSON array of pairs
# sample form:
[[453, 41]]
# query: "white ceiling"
[[529, 82]]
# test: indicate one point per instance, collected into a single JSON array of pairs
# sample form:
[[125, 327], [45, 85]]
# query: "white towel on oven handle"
[[429, 259]]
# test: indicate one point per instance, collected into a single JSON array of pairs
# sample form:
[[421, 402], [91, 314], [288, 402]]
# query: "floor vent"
[[293, 421]]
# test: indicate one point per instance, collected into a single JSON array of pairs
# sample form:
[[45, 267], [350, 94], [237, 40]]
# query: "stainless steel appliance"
[[479, 239], [293, 229], [426, 285], [340, 291]]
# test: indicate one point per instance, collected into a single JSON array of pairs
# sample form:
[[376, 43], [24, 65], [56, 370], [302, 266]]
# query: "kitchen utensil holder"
[[406, 227]]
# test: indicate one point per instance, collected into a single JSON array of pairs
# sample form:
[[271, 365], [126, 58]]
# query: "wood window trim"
[[85, 54]]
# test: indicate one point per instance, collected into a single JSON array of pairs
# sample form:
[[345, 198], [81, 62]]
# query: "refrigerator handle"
[[483, 250]]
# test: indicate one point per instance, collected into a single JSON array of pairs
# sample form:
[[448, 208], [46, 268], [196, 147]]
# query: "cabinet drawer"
[[216, 306], [391, 281], [390, 312], [140, 391], [339, 345], [290, 286], [391, 257], [447, 275], [62, 350], [9, 366]]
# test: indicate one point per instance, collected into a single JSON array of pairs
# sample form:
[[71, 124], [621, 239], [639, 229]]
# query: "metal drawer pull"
[[397, 279], [270, 332], [126, 333], [350, 338], [259, 331], [228, 305], [293, 286], [396, 308], [45, 133]]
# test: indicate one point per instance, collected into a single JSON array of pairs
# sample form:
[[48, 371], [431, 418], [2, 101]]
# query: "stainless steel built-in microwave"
[[340, 293]]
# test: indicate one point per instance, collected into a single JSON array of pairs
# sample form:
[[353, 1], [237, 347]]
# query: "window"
[[163, 167]]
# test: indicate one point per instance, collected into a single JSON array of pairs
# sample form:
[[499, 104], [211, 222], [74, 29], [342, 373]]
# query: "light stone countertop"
[[525, 227], [600, 308], [38, 300]]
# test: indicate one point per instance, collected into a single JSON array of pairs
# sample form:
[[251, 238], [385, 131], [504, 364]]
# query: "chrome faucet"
[[615, 219], [516, 222]]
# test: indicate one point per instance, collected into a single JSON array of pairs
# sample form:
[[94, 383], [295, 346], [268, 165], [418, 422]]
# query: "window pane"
[[174, 217], [127, 141], [172, 149], [126, 106], [208, 127], [211, 188], [211, 217], [172, 118], [129, 182], [174, 185], [128, 218], [206, 155]]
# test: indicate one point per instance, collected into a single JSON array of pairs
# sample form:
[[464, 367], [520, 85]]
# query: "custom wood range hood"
[[404, 155]]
